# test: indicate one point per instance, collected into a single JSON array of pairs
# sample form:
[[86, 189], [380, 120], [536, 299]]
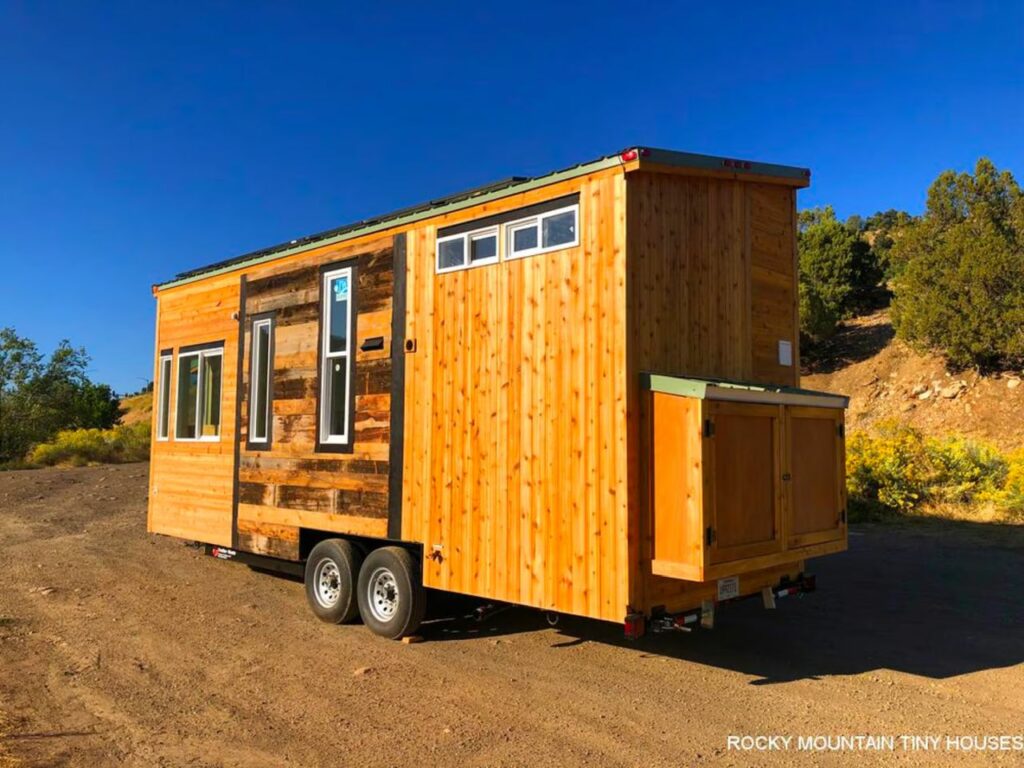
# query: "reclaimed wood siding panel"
[[291, 485], [191, 483], [515, 443]]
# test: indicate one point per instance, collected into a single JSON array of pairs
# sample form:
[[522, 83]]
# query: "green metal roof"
[[737, 391], [484, 194]]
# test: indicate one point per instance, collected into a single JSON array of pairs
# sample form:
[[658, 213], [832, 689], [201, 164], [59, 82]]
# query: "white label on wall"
[[785, 353]]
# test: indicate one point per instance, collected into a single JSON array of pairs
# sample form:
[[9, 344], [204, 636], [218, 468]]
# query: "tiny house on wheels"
[[577, 392]]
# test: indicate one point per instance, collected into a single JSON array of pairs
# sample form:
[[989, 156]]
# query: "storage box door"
[[743, 469], [677, 520], [816, 497]]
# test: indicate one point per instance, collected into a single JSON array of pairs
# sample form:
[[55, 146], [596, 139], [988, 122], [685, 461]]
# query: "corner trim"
[[396, 445], [238, 411]]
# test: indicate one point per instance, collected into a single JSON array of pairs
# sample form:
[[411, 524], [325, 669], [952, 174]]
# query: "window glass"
[[339, 295], [524, 238], [210, 384], [336, 363], [164, 384], [188, 402], [451, 253], [259, 374], [559, 229], [338, 392], [483, 247]]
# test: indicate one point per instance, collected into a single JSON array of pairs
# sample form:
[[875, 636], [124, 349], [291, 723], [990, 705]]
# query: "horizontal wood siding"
[[191, 483], [515, 474], [292, 485]]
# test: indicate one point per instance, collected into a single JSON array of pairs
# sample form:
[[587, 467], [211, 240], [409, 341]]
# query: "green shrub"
[[838, 270], [959, 286], [79, 447]]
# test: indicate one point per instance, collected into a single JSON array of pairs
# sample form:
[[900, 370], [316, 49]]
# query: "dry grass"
[[7, 760], [137, 408]]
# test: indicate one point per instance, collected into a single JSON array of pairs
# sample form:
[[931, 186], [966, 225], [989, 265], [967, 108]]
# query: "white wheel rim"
[[327, 583], [382, 594]]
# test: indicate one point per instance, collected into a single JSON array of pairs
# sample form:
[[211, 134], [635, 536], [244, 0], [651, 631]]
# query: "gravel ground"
[[119, 648]]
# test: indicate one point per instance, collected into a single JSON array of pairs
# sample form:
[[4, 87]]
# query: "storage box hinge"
[[841, 430], [709, 428], [709, 535]]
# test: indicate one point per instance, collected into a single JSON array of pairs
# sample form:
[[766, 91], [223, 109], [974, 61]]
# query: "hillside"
[[137, 408], [885, 379]]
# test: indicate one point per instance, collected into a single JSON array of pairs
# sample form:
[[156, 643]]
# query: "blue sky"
[[138, 142]]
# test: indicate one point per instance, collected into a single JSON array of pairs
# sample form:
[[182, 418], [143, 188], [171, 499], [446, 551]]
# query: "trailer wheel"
[[392, 600], [331, 580]]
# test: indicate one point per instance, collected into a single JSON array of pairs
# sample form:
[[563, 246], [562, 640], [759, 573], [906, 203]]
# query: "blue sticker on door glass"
[[341, 289]]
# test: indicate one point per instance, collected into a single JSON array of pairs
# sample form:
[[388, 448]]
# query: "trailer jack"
[[636, 623]]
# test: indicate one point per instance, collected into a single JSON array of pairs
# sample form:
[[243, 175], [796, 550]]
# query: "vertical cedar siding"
[[515, 431], [711, 291]]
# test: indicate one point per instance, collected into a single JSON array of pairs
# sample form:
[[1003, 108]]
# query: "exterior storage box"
[[742, 477]]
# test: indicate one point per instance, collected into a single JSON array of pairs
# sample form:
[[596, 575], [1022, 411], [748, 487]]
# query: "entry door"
[[816, 497], [743, 470]]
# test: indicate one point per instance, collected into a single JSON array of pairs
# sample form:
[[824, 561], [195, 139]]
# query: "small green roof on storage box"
[[741, 392]]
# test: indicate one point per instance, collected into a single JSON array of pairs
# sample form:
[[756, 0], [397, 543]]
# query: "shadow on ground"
[[935, 600], [853, 343]]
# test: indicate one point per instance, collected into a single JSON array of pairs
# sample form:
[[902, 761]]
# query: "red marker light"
[[629, 155]]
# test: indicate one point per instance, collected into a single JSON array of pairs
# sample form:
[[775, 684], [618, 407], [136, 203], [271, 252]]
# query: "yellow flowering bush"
[[79, 447], [897, 470]]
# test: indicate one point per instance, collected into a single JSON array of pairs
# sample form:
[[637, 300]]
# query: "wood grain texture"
[[292, 484], [191, 483], [515, 416], [524, 476], [816, 499], [744, 464], [711, 290]]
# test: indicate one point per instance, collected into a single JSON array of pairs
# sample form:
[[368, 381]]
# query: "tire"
[[392, 600], [331, 580]]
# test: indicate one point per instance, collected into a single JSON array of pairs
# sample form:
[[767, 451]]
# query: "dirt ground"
[[118, 648]]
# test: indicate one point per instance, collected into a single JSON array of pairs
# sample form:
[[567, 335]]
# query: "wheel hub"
[[382, 591], [328, 583]]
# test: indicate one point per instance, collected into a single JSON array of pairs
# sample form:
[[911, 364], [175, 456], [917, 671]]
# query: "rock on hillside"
[[886, 379]]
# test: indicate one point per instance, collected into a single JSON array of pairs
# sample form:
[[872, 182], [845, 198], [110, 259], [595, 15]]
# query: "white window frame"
[[467, 239], [163, 420], [326, 356], [201, 354], [254, 367], [538, 222]]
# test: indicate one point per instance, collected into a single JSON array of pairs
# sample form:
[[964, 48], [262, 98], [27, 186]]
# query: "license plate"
[[729, 588]]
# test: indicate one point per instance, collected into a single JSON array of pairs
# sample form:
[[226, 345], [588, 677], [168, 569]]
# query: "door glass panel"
[[211, 395], [188, 387], [338, 392], [339, 298]]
